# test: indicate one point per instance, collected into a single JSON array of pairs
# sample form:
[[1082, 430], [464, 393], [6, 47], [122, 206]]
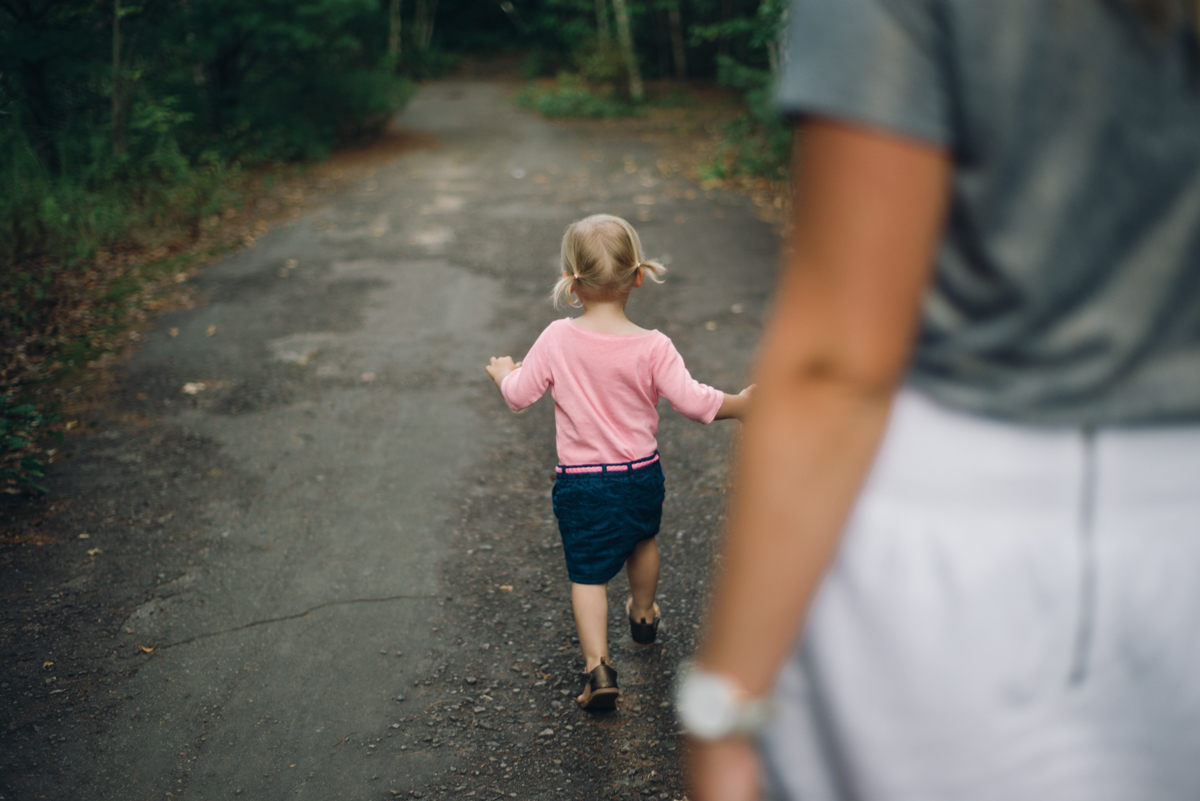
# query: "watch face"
[[707, 705]]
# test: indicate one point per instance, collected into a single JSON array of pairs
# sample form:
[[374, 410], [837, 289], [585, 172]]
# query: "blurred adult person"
[[971, 476]]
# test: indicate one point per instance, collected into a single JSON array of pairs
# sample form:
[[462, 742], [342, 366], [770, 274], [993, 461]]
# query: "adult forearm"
[[867, 218], [803, 455]]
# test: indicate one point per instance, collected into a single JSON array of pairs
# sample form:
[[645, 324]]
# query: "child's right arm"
[[499, 369], [521, 383]]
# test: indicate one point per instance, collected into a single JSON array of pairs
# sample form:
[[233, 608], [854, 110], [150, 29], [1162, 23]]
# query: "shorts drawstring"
[[1086, 622]]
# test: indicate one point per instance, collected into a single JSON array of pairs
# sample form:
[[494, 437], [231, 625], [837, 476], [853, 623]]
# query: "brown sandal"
[[601, 691], [643, 633]]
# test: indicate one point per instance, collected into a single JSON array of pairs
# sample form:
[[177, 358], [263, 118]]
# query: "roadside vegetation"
[[134, 136], [602, 69]]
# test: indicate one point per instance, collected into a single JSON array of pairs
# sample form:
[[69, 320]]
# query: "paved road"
[[343, 511]]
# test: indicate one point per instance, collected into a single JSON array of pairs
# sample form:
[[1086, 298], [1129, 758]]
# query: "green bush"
[[571, 97], [600, 61], [758, 141], [22, 428]]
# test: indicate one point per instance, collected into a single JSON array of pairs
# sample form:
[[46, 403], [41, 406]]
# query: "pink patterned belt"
[[622, 467]]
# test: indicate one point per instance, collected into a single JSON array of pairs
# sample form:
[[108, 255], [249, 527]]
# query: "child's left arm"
[[735, 406]]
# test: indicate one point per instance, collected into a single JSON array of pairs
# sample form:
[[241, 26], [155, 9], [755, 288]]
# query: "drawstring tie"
[[1086, 623]]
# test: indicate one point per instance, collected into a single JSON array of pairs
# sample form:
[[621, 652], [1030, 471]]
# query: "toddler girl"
[[606, 375]]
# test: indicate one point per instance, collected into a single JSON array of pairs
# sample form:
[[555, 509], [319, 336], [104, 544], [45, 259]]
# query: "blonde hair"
[[601, 255]]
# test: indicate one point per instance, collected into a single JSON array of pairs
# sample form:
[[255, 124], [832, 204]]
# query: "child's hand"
[[736, 406], [501, 367]]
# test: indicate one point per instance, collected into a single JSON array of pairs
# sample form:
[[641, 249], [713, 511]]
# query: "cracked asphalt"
[[303, 550]]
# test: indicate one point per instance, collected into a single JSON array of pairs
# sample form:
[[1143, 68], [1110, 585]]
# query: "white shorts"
[[1014, 614]]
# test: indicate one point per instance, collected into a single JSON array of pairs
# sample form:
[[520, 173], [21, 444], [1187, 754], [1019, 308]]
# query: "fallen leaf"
[[212, 329], [47, 664], [180, 277], [506, 587], [94, 551], [291, 264], [174, 332], [147, 649], [84, 536]]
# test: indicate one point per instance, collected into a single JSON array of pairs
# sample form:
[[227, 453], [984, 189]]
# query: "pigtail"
[[564, 293], [654, 270]]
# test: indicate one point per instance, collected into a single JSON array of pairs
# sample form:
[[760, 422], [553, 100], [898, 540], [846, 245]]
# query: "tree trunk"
[[602, 21], [394, 30], [433, 4], [419, 26], [44, 117], [636, 92], [677, 50], [662, 36], [423, 24], [723, 39], [118, 117]]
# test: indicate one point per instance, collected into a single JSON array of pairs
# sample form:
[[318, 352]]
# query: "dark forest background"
[[125, 122]]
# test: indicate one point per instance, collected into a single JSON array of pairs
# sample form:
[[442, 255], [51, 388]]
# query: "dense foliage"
[[111, 112], [736, 42]]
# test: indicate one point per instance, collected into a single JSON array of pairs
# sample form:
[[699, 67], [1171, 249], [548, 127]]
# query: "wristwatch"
[[711, 706]]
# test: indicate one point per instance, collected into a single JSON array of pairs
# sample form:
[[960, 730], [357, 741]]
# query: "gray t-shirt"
[[1068, 285]]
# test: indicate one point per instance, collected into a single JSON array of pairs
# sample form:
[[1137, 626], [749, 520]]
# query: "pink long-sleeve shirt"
[[606, 389]]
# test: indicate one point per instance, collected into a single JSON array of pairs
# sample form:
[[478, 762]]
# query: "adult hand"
[[722, 770]]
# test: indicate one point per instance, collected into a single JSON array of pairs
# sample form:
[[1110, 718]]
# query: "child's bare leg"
[[590, 604], [642, 569]]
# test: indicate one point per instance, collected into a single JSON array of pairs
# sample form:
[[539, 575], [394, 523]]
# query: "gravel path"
[[305, 551]]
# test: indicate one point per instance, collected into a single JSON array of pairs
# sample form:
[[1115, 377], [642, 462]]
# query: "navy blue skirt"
[[603, 514]]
